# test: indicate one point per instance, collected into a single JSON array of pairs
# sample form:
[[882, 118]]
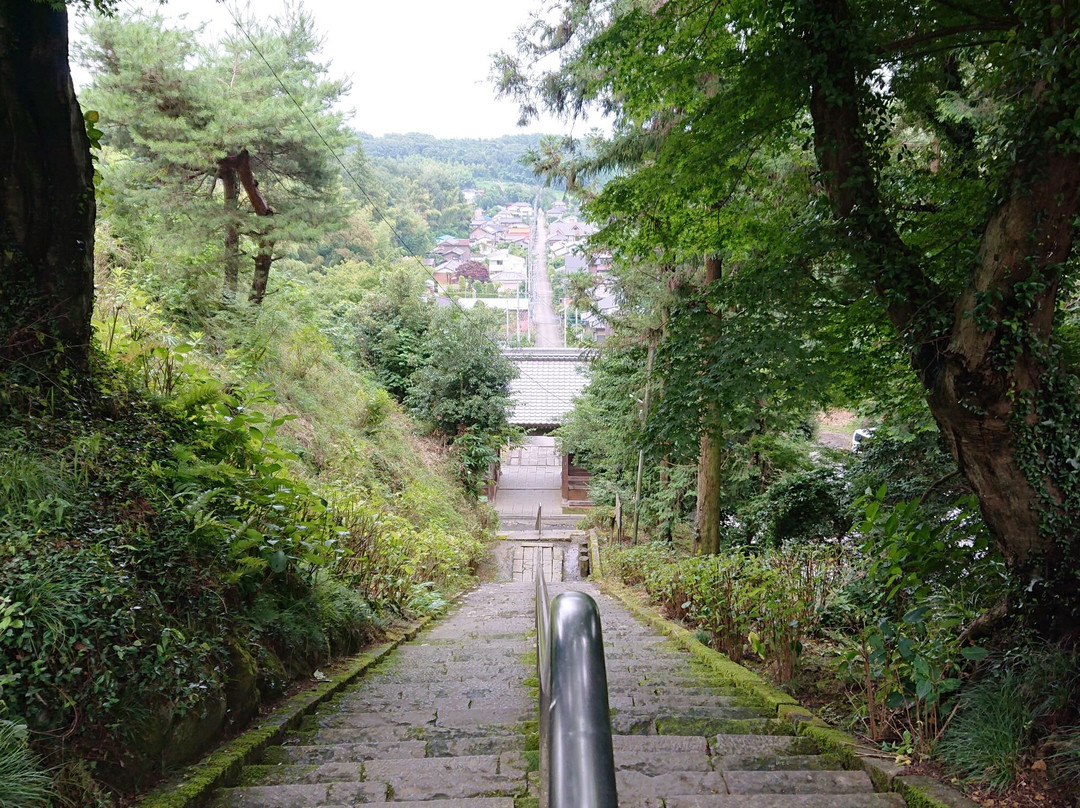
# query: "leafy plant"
[[908, 606]]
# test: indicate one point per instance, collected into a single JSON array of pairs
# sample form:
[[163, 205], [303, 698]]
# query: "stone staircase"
[[447, 721]]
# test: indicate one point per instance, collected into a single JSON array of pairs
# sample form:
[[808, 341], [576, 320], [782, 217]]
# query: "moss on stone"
[[223, 767], [275, 755], [526, 802], [925, 792], [253, 774], [532, 761], [708, 726]]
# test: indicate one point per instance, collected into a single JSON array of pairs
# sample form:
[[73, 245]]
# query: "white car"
[[859, 437]]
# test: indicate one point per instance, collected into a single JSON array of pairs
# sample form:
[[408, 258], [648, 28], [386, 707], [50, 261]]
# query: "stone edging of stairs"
[[918, 791], [221, 768]]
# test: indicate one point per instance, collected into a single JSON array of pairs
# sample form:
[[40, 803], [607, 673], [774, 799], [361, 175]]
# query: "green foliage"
[[464, 381], [804, 506], [233, 484], [23, 783], [178, 115], [1000, 719], [925, 578], [387, 557], [763, 603]]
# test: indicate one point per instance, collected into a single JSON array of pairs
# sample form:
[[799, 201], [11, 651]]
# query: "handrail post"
[[543, 670], [577, 766]]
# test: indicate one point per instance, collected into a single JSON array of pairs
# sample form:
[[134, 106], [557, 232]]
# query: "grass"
[[989, 737], [23, 783]]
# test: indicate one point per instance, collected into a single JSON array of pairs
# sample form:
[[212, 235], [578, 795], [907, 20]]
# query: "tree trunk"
[[1007, 410], [231, 185], [46, 195], [239, 166], [262, 270], [710, 459]]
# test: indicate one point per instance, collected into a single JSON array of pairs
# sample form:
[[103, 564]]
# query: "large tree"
[[234, 142], [945, 175], [46, 195]]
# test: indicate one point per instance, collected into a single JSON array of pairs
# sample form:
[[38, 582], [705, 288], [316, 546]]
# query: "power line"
[[378, 211]]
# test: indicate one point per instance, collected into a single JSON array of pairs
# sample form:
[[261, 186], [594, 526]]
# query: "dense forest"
[[486, 159]]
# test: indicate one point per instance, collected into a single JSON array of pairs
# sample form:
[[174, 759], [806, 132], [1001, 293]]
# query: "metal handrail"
[[577, 766]]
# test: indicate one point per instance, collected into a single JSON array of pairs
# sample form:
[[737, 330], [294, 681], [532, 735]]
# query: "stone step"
[[345, 752], [657, 754], [746, 744], [341, 795], [772, 763], [770, 801], [479, 717], [798, 782], [689, 713], [632, 784], [430, 734], [421, 779]]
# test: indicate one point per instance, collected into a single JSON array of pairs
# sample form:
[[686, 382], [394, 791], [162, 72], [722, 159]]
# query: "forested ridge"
[[486, 158]]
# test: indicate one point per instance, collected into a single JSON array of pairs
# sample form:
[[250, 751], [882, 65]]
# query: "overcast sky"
[[415, 65]]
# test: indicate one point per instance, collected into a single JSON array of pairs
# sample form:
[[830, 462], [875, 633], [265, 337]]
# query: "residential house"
[[506, 270]]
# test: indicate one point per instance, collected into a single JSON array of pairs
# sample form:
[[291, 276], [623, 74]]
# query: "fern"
[[205, 393]]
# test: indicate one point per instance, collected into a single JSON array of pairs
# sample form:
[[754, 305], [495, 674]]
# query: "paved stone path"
[[531, 478], [446, 721], [532, 556]]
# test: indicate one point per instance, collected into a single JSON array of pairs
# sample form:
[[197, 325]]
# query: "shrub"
[[630, 563], [803, 506], [905, 609], [767, 602]]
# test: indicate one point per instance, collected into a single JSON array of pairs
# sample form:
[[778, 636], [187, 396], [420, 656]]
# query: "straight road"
[[548, 324]]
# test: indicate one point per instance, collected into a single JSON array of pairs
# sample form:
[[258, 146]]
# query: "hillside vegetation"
[[228, 497]]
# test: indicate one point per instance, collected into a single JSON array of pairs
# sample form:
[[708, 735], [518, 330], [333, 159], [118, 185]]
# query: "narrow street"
[[546, 319]]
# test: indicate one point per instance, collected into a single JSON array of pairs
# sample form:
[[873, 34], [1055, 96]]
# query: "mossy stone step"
[[657, 754], [751, 744], [314, 795], [346, 734], [717, 725]]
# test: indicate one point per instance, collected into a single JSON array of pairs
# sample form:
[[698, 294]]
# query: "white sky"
[[415, 65]]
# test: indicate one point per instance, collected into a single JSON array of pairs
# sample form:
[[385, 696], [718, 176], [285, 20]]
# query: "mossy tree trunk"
[[1006, 406]]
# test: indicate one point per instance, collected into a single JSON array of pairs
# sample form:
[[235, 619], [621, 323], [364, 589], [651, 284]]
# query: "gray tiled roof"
[[549, 380]]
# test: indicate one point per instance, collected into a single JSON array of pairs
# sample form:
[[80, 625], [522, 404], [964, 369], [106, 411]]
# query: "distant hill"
[[496, 159]]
